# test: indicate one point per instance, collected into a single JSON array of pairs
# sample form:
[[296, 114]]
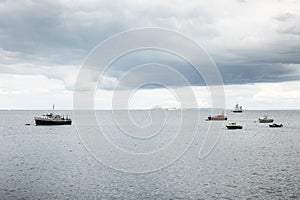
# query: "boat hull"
[[41, 122], [275, 125], [237, 111], [216, 119], [234, 127], [265, 120]]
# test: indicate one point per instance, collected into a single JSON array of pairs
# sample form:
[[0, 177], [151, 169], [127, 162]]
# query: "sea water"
[[51, 162]]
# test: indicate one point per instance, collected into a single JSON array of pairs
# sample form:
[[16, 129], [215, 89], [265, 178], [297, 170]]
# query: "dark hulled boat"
[[275, 125], [50, 119], [233, 126]]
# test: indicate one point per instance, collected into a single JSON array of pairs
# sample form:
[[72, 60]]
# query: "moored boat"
[[265, 119], [50, 119], [237, 109], [217, 117], [275, 125], [233, 125]]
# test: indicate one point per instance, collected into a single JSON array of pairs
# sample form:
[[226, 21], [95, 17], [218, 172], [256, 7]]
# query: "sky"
[[255, 45]]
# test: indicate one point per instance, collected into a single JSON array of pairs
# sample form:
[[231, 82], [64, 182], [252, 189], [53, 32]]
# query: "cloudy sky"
[[255, 44]]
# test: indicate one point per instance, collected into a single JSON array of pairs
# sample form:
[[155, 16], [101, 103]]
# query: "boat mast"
[[53, 108]]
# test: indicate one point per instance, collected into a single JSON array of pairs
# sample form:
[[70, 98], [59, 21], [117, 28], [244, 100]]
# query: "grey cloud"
[[46, 28], [50, 33], [284, 16], [259, 72], [289, 24], [137, 59], [294, 30]]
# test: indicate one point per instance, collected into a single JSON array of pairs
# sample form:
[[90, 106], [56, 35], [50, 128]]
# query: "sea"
[[55, 162]]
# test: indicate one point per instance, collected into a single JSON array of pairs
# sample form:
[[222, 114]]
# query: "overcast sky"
[[255, 44]]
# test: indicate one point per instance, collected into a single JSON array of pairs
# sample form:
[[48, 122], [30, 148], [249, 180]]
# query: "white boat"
[[265, 119], [237, 109], [171, 108]]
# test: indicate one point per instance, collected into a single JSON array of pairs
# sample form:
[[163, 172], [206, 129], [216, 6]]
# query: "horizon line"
[[107, 109]]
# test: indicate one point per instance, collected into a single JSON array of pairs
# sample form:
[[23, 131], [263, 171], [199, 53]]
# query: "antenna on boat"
[[53, 108]]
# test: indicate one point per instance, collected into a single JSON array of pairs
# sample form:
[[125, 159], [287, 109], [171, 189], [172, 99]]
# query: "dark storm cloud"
[[238, 72], [259, 72], [46, 28], [54, 33], [153, 57], [52, 30]]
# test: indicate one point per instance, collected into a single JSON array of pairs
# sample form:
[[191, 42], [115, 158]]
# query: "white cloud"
[[32, 91], [108, 82], [27, 91], [30, 83], [280, 95], [65, 73]]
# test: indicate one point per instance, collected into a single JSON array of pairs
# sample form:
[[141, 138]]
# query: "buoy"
[[27, 124]]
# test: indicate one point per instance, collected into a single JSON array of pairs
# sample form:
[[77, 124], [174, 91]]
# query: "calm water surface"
[[51, 162]]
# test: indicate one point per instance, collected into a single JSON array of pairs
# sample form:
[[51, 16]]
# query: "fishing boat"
[[217, 117], [233, 125], [275, 125], [265, 119], [237, 109], [49, 119]]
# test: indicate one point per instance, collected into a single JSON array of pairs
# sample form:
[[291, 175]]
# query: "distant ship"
[[171, 108], [265, 119], [49, 119], [217, 117], [237, 109]]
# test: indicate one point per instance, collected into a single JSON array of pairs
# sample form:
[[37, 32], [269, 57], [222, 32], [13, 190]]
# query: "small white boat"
[[265, 119], [171, 108]]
